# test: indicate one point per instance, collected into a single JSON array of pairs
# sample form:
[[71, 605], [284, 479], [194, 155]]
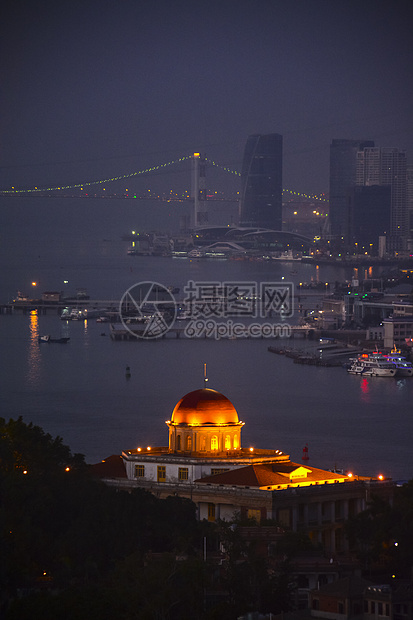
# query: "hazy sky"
[[101, 88]]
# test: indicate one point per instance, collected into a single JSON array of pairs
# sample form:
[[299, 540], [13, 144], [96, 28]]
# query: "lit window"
[[254, 514], [161, 473], [189, 443], [227, 442], [235, 442], [183, 473], [211, 512], [139, 471], [214, 442]]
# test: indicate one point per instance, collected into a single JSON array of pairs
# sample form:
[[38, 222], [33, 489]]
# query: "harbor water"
[[82, 392]]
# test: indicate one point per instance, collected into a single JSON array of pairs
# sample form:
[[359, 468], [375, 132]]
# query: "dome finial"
[[205, 376]]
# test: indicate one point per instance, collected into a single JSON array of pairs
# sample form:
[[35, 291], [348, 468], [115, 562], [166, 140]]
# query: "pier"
[[120, 332], [51, 307]]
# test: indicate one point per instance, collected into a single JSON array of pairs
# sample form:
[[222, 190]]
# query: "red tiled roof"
[[111, 467], [269, 475]]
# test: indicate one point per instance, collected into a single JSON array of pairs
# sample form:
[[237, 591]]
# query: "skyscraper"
[[409, 181], [261, 182], [379, 166], [343, 166], [370, 216]]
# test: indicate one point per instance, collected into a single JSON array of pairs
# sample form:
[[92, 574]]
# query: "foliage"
[[382, 535], [73, 548], [62, 529]]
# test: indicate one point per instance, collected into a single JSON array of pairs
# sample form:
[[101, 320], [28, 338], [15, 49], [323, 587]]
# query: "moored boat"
[[404, 368], [372, 364]]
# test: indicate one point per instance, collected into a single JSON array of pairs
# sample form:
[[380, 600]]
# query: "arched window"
[[178, 442], [235, 442], [214, 442], [227, 442], [189, 442]]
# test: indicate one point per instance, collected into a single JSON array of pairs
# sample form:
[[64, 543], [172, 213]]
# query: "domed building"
[[204, 440], [205, 462], [205, 422]]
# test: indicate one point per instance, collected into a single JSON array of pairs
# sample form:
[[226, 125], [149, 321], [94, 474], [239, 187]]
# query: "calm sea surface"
[[80, 391]]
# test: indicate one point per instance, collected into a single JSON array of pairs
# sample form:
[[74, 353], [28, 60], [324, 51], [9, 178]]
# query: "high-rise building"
[[343, 166], [386, 167], [261, 182], [409, 181], [370, 217]]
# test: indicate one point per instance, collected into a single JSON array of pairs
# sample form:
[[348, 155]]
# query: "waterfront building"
[[398, 331], [261, 182], [343, 166], [205, 461]]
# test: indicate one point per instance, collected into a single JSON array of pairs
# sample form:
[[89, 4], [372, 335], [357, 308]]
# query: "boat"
[[404, 368], [372, 364], [286, 256], [48, 338], [72, 314], [196, 253]]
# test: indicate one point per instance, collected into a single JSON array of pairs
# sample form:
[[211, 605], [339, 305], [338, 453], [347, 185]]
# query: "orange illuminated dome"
[[204, 406]]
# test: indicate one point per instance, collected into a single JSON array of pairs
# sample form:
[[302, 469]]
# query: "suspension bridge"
[[79, 187]]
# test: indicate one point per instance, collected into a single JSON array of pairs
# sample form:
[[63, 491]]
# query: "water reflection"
[[365, 390], [401, 384], [33, 373], [86, 341]]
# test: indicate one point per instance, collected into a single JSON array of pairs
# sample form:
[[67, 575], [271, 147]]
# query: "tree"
[[382, 535]]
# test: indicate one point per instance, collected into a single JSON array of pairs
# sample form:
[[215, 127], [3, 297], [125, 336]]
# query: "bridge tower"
[[198, 192]]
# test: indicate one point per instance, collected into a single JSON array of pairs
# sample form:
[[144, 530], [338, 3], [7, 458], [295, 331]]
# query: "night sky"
[[102, 88]]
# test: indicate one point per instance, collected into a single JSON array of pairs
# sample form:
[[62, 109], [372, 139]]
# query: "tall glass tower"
[[384, 166], [261, 182], [343, 166]]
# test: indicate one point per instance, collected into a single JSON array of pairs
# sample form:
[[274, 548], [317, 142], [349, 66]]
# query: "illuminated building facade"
[[206, 463], [204, 440], [261, 182]]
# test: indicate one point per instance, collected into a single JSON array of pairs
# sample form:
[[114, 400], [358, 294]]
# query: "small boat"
[[72, 314], [48, 338]]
